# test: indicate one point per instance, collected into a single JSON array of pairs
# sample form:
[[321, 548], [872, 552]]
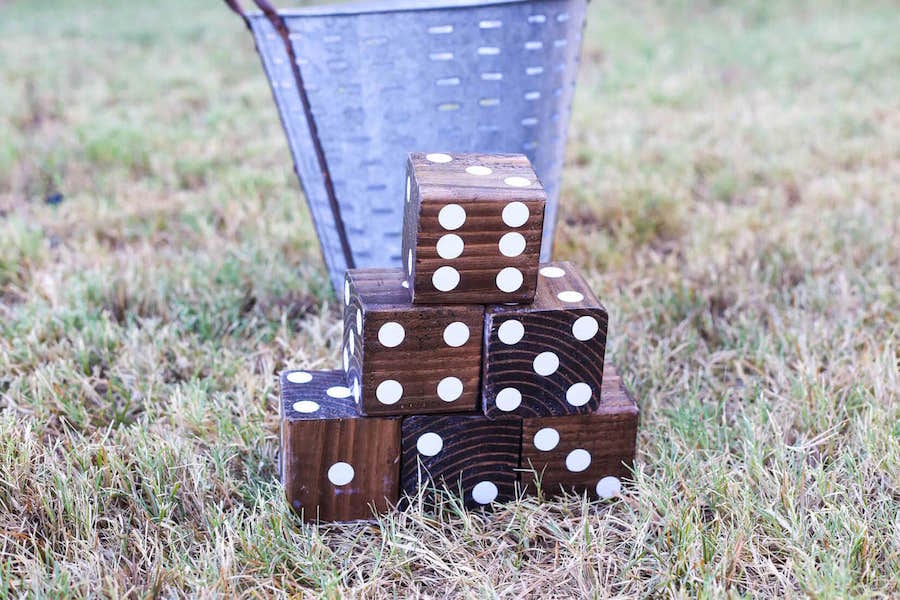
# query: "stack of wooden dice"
[[474, 367]]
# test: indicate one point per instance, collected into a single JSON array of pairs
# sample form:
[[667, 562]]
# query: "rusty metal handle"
[[263, 5], [236, 7], [281, 27]]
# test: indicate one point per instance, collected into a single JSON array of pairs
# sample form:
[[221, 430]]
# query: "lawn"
[[732, 188]]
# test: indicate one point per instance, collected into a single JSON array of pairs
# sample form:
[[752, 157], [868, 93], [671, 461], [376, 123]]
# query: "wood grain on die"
[[409, 359], [583, 452], [486, 248], [335, 466], [472, 453], [546, 358]]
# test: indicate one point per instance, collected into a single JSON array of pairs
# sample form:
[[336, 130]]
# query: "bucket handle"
[[281, 27], [263, 5]]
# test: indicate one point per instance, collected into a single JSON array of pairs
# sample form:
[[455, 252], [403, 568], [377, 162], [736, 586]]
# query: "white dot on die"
[[429, 444], [508, 399], [511, 332], [438, 157], [484, 492], [445, 279], [389, 391], [356, 389], [552, 272], [570, 296], [579, 394], [450, 246], [546, 363], [405, 284], [512, 244], [584, 328], [391, 334], [452, 217], [479, 170], [509, 279], [359, 321], [338, 391], [409, 262], [608, 487], [578, 460], [299, 377], [340, 473], [407, 188], [515, 214], [306, 406], [517, 182], [450, 389], [347, 293], [456, 334], [546, 439], [346, 362]]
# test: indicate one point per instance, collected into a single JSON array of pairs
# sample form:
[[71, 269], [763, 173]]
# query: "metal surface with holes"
[[385, 79]]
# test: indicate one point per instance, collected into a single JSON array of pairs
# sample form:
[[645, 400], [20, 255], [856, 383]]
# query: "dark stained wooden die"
[[335, 465], [466, 453], [408, 359], [472, 228], [582, 453], [546, 358]]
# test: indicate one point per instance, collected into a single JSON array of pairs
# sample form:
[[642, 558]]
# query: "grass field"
[[732, 189]]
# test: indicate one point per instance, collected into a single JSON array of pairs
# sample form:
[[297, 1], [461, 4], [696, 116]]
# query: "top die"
[[472, 228]]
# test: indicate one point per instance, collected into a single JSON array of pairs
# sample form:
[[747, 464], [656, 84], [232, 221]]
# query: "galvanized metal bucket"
[[358, 86]]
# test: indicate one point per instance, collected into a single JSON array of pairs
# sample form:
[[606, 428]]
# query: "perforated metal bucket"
[[359, 86]]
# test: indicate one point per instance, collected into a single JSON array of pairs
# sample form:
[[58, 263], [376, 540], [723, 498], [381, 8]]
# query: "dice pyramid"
[[474, 368]]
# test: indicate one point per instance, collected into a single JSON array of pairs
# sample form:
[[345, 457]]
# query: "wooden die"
[[546, 358], [583, 453], [335, 466], [468, 453], [408, 359], [472, 228]]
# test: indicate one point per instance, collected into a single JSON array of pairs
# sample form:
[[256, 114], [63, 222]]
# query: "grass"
[[732, 189]]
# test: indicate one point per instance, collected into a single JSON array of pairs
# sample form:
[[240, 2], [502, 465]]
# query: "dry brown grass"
[[732, 188]]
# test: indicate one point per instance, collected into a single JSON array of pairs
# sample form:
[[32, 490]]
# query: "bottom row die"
[[472, 455], [582, 453], [335, 464]]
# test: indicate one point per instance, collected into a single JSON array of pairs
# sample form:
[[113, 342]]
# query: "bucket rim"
[[384, 6]]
